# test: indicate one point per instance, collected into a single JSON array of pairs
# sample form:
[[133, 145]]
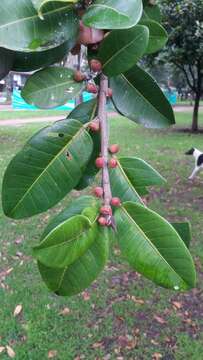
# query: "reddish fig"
[[94, 126], [95, 65], [112, 163], [98, 192], [102, 221], [110, 92], [79, 76], [113, 149], [92, 88], [115, 201], [99, 162], [106, 210]]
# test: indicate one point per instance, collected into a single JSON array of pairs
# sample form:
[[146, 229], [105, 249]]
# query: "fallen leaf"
[[156, 356], [85, 295], [2, 348], [97, 345], [128, 342], [9, 271], [177, 305], [17, 310], [19, 240], [19, 254], [154, 342], [107, 357], [65, 311], [10, 352], [137, 301], [159, 319], [52, 354]]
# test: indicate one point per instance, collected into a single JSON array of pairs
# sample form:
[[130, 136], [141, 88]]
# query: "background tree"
[[183, 20]]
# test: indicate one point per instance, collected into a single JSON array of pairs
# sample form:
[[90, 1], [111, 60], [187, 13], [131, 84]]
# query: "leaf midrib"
[[46, 168], [152, 245], [128, 180], [143, 97], [35, 16], [51, 87], [121, 50]]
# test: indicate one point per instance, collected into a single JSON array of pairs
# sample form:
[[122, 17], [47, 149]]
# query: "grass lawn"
[[123, 316], [24, 114]]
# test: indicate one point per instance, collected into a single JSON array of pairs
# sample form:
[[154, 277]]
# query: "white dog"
[[198, 155]]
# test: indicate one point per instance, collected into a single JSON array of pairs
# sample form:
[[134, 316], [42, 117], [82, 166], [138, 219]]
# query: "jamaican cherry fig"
[[102, 221], [106, 210], [112, 163], [115, 201], [109, 92], [92, 88], [114, 148], [98, 191], [99, 162], [94, 126]]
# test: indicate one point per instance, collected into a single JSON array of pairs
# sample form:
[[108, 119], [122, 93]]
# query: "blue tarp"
[[171, 95], [19, 103]]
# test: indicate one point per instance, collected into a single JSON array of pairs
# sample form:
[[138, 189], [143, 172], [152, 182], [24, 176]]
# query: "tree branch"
[[102, 114], [192, 75], [186, 75]]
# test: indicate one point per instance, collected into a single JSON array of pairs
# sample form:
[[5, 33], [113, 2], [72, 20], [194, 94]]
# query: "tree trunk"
[[196, 112]]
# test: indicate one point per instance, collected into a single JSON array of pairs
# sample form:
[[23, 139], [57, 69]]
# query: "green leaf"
[[121, 49], [91, 170], [47, 168], [113, 14], [76, 207], [51, 87], [84, 112], [21, 29], [152, 12], [184, 230], [24, 61], [153, 247], [137, 96], [6, 62], [131, 177], [40, 5], [79, 275], [158, 36], [68, 241]]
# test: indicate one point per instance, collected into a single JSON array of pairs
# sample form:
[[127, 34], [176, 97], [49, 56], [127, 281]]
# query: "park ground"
[[122, 316]]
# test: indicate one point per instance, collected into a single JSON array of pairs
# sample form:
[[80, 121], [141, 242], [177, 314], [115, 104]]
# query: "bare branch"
[[102, 114]]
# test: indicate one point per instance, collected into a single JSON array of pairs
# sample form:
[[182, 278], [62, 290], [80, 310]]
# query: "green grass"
[[24, 114], [112, 311]]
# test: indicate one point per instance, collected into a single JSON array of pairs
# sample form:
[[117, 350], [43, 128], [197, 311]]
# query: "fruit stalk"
[[102, 115]]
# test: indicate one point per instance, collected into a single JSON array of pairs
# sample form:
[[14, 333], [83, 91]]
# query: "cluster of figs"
[[106, 210]]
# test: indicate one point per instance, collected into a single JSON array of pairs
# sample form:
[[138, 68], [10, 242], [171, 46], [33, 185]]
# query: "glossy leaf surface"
[[67, 242], [113, 14], [137, 96], [79, 275], [157, 36], [29, 61], [153, 247], [47, 168], [51, 87], [121, 49], [131, 177], [21, 29]]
